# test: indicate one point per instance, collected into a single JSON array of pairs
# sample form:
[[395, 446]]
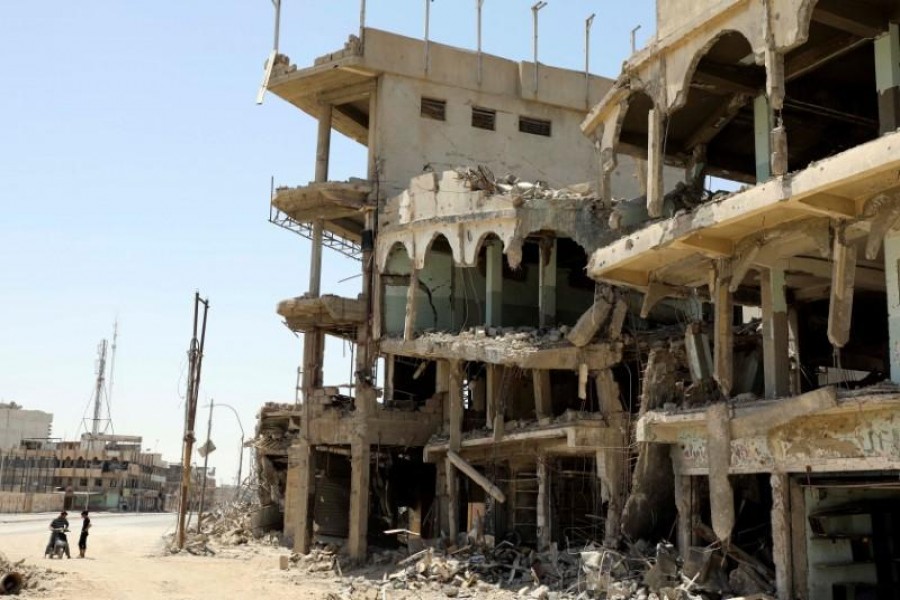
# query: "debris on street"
[[19, 576]]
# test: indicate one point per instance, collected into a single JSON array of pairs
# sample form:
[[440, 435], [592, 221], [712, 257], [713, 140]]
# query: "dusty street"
[[126, 560]]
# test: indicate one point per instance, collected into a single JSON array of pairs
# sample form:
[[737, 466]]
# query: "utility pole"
[[195, 354], [534, 12], [478, 5], [205, 466], [587, 59]]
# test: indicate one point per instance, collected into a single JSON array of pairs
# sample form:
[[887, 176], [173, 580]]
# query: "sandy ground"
[[126, 560]]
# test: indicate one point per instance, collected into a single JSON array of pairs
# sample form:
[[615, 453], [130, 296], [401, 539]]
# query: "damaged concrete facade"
[[789, 456], [467, 279], [635, 358]]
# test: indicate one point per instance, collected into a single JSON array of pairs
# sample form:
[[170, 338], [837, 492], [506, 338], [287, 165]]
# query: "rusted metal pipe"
[[11, 584]]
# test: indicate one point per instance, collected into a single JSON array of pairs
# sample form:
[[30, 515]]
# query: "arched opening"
[[831, 96], [395, 277], [632, 137], [713, 132]]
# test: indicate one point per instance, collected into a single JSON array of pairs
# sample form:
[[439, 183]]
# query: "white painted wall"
[[407, 142], [17, 424]]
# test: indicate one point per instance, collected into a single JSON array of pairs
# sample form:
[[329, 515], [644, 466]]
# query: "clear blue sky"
[[135, 167]]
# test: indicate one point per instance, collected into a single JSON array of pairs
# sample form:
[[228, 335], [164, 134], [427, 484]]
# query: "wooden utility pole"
[[195, 355]]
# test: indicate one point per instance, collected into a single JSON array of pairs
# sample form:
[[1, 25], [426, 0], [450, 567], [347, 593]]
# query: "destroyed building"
[[449, 245], [798, 101], [639, 358]]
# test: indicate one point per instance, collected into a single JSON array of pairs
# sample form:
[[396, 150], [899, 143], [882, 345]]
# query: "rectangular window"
[[484, 118], [534, 126], [434, 109]]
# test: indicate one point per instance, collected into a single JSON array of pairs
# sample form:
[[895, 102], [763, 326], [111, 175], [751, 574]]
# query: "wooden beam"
[[472, 473]]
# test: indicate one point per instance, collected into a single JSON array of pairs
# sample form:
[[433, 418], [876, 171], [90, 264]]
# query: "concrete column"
[[456, 419], [494, 407], [723, 345], [781, 535], [543, 504], [323, 143], [843, 278], [412, 306], [776, 366], [389, 369], [298, 515], [892, 280], [762, 128], [442, 497], [494, 292], [684, 505], [655, 127], [360, 459], [887, 78], [543, 395], [612, 461], [796, 376], [373, 138], [547, 284]]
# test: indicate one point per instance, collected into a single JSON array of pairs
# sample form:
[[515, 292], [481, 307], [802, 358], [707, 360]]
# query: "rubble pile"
[[16, 577], [510, 339], [510, 571], [481, 178], [225, 526]]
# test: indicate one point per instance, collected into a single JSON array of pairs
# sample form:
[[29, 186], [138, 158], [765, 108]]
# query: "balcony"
[[339, 205], [332, 314]]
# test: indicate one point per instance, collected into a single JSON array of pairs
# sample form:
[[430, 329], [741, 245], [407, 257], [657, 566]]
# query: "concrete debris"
[[481, 178], [226, 526], [19, 576], [509, 571]]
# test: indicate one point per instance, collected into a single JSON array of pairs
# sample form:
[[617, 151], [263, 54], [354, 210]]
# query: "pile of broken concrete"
[[225, 526], [509, 571], [17, 577]]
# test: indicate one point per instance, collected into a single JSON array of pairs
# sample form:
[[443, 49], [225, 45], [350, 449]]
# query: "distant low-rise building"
[[17, 424]]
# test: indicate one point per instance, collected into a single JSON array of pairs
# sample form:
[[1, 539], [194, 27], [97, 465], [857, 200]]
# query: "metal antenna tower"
[[112, 362], [98, 391]]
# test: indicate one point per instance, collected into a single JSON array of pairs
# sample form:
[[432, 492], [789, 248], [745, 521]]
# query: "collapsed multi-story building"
[[631, 359]]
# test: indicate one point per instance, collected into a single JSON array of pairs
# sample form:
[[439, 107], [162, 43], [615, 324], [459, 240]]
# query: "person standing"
[[82, 539], [58, 527]]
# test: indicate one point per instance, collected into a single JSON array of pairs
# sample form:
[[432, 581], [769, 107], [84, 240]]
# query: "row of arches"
[[721, 93]]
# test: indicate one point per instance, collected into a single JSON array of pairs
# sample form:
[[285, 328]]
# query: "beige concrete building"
[[444, 248], [640, 358], [17, 424], [798, 100]]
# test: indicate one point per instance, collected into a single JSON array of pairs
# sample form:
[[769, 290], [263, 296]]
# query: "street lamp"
[[241, 455]]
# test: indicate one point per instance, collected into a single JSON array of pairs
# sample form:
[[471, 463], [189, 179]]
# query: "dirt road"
[[126, 561]]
